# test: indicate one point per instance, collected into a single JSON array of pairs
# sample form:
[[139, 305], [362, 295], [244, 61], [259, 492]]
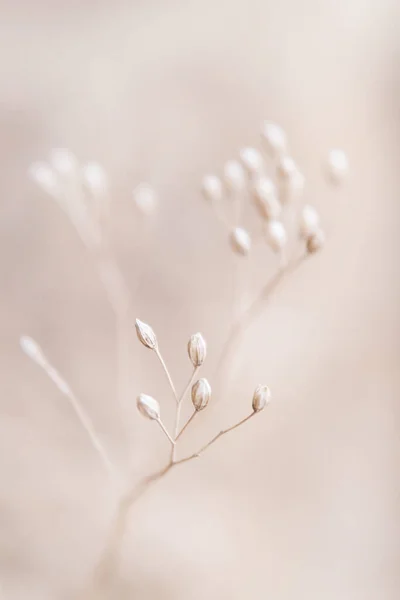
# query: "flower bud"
[[63, 161], [240, 241], [148, 406], [95, 178], [261, 397], [309, 221], [292, 180], [252, 161], [201, 394], [197, 349], [266, 199], [273, 138], [33, 350], [146, 335], [212, 188], [234, 176], [145, 198], [315, 241], [276, 235], [338, 166], [44, 176]]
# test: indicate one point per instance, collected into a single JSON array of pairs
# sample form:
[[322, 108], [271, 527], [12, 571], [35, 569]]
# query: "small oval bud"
[[197, 349], [273, 138], [63, 161], [95, 177], [146, 335], [234, 176], [338, 165], [266, 198], [145, 198], [292, 181], [44, 176], [33, 350], [252, 161], [261, 397], [201, 394], [315, 241], [148, 406], [240, 241], [276, 235], [309, 221], [212, 188]]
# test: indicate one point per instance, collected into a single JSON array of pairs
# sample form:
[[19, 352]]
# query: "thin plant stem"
[[164, 366], [214, 439], [186, 425], [245, 319], [179, 408], [161, 424]]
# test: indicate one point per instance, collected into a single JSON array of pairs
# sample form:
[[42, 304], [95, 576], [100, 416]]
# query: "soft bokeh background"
[[304, 501]]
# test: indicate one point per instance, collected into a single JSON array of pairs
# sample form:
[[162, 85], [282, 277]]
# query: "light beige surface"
[[304, 502]]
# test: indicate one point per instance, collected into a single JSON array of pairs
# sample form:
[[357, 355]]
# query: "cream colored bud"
[[63, 161], [44, 176], [212, 188], [95, 177], [234, 176], [148, 406], [146, 335], [240, 241], [273, 138], [252, 161], [309, 221], [33, 350], [201, 394], [287, 168], [145, 198], [276, 235], [261, 397], [338, 165], [266, 198], [197, 349], [315, 241]]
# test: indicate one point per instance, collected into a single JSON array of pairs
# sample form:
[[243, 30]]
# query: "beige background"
[[304, 501]]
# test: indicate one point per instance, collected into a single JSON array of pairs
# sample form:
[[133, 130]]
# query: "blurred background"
[[303, 502]]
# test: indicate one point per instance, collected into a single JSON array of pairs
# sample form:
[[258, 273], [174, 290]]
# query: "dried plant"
[[83, 195], [269, 181], [292, 233]]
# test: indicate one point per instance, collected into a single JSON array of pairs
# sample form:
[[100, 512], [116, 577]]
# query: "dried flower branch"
[[35, 353]]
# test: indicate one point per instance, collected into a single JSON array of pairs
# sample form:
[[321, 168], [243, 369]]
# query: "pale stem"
[[83, 417], [214, 439], [161, 424], [164, 366], [242, 323], [179, 408], [186, 425]]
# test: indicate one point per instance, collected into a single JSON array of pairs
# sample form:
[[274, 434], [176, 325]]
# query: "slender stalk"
[[245, 319], [214, 439], [164, 429], [186, 425], [179, 407], [164, 366]]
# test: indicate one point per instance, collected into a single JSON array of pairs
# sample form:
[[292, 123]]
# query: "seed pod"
[[33, 350], [95, 178], [201, 394], [146, 335], [145, 198], [338, 166], [234, 176], [315, 241], [291, 179], [64, 161], [212, 188], [276, 235], [44, 176], [148, 406], [240, 241], [197, 349], [266, 198], [252, 161], [261, 397], [273, 138], [309, 221]]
